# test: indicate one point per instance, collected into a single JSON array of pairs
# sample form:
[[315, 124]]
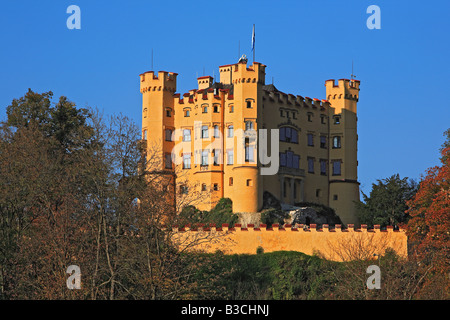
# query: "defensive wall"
[[337, 244]]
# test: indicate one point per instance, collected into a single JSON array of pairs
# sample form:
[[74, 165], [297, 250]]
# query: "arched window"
[[288, 134]]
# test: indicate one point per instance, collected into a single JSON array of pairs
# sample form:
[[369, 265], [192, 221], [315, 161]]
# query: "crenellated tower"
[[343, 147]]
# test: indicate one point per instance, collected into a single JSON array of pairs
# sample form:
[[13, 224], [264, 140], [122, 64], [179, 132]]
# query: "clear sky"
[[403, 67]]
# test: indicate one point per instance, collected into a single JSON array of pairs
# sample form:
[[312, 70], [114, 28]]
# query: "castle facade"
[[209, 139]]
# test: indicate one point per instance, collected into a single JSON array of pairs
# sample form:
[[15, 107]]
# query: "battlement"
[[332, 243], [240, 73], [163, 81]]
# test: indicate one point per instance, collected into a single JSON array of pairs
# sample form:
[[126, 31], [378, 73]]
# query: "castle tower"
[[343, 175], [158, 123], [246, 116]]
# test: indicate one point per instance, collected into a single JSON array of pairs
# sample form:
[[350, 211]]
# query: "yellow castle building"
[[210, 139]]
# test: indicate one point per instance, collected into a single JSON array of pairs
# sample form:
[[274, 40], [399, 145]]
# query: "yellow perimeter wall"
[[334, 244]]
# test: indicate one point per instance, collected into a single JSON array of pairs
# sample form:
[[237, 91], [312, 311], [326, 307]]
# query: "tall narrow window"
[[204, 187], [186, 135], [337, 120], [230, 131], [168, 113], [168, 162], [145, 135], [311, 165], [205, 109], [336, 142], [205, 132], [230, 157], [168, 135], [204, 157], [310, 138], [216, 159], [187, 113], [216, 108], [323, 167], [249, 104], [216, 131], [231, 108], [336, 167], [249, 125], [248, 151], [230, 181], [323, 142], [186, 161]]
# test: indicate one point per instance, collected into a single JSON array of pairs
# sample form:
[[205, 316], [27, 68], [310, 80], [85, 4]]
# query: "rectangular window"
[[310, 139], [249, 104], [296, 161], [204, 157], [168, 162], [289, 156], [186, 135], [230, 132], [216, 187], [248, 153], [323, 142], [231, 108], [283, 134], [187, 113], [294, 136], [337, 120], [230, 157], [186, 161], [168, 113], [205, 132], [283, 159], [145, 134], [323, 167], [336, 167], [216, 131], [288, 134], [322, 119], [216, 109], [216, 154], [311, 165], [205, 109], [168, 135], [336, 142]]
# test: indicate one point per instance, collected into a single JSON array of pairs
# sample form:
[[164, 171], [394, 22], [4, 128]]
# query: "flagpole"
[[254, 44]]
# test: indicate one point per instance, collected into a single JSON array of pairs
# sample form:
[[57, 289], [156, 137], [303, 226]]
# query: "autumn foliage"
[[429, 227]]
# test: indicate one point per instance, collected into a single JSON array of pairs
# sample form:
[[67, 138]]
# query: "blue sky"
[[403, 67]]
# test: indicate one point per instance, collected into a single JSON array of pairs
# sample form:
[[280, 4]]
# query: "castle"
[[211, 133]]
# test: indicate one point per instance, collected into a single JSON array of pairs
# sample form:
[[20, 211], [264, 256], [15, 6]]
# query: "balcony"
[[291, 171]]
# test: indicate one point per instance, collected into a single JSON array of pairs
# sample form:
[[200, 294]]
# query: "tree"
[[387, 202], [429, 227]]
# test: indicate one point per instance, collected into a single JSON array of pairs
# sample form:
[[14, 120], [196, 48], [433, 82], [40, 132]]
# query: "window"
[[322, 119], [323, 142], [249, 125], [335, 197], [289, 160], [186, 135], [205, 132], [216, 160], [230, 181], [145, 135], [337, 120], [205, 109], [168, 135], [216, 131], [203, 187], [310, 116], [248, 151], [230, 131], [187, 113], [288, 135], [323, 167], [231, 108], [318, 193], [336, 167], [204, 157], [249, 104], [249, 182], [216, 187], [281, 113], [311, 165], [310, 138], [230, 157], [287, 114], [168, 113], [168, 162], [216, 108], [336, 142], [294, 115], [186, 161]]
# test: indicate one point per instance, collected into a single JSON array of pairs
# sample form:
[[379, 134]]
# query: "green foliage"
[[386, 204], [220, 214], [272, 215]]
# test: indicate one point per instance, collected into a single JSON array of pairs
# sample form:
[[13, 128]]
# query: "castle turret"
[[343, 147], [158, 114]]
